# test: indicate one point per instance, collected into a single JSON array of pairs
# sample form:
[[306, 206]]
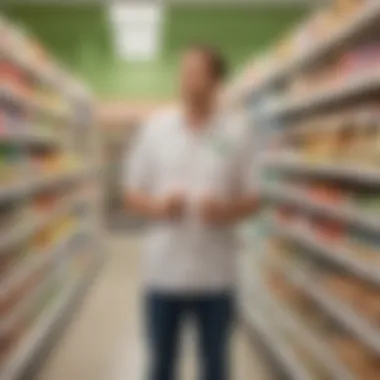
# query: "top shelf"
[[42, 76], [365, 19], [50, 75]]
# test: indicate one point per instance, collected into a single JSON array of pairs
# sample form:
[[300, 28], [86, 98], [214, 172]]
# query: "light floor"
[[104, 340]]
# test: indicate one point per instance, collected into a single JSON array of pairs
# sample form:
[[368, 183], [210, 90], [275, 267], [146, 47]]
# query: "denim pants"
[[213, 318]]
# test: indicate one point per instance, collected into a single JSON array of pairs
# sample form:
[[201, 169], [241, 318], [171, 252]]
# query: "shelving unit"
[[311, 341], [318, 265], [274, 317], [361, 175], [317, 51], [349, 319], [335, 254], [327, 97], [345, 214], [50, 247], [51, 320], [287, 358]]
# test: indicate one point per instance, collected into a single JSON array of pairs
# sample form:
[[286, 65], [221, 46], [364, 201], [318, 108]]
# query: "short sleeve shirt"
[[189, 256]]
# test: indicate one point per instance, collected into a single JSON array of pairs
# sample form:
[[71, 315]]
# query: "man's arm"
[[142, 204], [244, 200], [241, 209], [227, 213], [149, 207]]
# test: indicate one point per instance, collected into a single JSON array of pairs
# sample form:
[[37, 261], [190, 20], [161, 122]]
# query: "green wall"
[[79, 36]]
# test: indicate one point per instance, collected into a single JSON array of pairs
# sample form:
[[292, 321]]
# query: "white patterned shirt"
[[189, 256]]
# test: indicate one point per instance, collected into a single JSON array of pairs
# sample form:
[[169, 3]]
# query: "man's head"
[[203, 71]]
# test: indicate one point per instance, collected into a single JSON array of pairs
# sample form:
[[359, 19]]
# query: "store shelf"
[[33, 139], [36, 261], [23, 270], [19, 232], [23, 230], [52, 319], [364, 19], [15, 190], [310, 340], [50, 74], [332, 253], [27, 268], [345, 214], [362, 175], [280, 350], [29, 103], [54, 113], [302, 121], [368, 334], [350, 89], [11, 191], [42, 76], [21, 309]]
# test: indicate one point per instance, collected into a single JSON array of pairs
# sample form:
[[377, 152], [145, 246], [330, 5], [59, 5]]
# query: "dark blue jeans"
[[213, 317]]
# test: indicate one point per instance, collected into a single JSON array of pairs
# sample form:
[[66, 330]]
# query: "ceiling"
[[253, 2], [80, 37], [187, 2]]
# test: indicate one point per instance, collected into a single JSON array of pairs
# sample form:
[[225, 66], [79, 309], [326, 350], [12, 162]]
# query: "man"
[[188, 174]]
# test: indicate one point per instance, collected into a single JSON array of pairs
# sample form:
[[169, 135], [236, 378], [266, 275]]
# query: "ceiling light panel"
[[138, 29]]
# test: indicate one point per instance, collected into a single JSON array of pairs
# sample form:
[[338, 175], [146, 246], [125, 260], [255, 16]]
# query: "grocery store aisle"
[[104, 341]]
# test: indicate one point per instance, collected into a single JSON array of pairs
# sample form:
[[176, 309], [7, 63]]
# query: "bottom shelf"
[[357, 325], [55, 317], [282, 354]]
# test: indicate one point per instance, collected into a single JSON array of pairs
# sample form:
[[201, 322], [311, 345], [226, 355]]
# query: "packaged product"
[[364, 247], [344, 287], [9, 338], [361, 61], [9, 160], [353, 354], [346, 140], [345, 9]]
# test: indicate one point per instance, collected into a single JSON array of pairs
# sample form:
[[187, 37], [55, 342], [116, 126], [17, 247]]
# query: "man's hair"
[[215, 59]]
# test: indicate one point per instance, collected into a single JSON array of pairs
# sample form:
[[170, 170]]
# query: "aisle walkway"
[[104, 342]]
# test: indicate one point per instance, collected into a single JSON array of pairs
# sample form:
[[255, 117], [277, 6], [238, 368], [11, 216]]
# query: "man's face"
[[197, 82]]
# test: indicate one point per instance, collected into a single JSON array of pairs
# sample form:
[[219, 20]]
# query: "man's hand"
[[218, 212], [172, 207], [214, 211]]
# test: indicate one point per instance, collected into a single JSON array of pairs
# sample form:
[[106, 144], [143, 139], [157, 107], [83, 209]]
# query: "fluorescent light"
[[137, 29]]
